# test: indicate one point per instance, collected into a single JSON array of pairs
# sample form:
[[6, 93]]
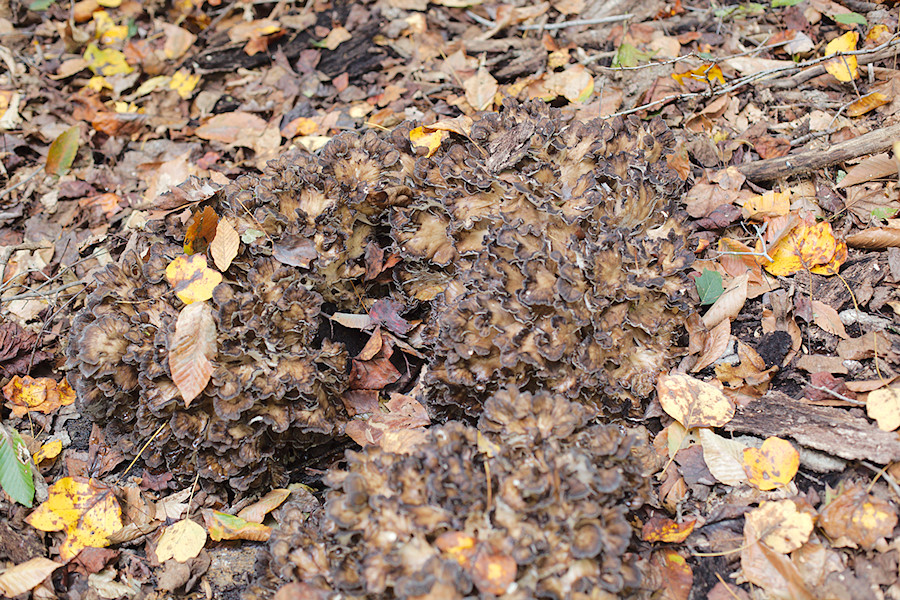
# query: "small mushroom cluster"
[[528, 249], [531, 504]]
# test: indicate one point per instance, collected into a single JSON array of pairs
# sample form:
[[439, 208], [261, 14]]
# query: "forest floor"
[[790, 164]]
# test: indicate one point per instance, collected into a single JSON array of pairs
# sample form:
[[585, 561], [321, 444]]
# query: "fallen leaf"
[[773, 465], [335, 38], [780, 525], [428, 138], [86, 510], [23, 577], [663, 529], [676, 573], [844, 68], [723, 457], [709, 286], [884, 406], [192, 279], [225, 244], [106, 63], [62, 152], [729, 303], [237, 128], [709, 73], [257, 511], [481, 89], [223, 526], [827, 318], [770, 204], [192, 350], [201, 230], [875, 238], [857, 519], [492, 573], [16, 478], [43, 395], [48, 451], [805, 247], [692, 402], [182, 541], [714, 346], [775, 573], [867, 103]]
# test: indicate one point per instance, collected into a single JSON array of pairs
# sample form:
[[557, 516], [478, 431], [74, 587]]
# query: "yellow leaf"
[[48, 451], [192, 349], [425, 137], [86, 510], [110, 3], [192, 279], [692, 402], [182, 541], [884, 406], [662, 529], [780, 525], [184, 83], [223, 526], [770, 204], [43, 394], [773, 465], [98, 83], [806, 247], [866, 103], [106, 62], [844, 68], [710, 73]]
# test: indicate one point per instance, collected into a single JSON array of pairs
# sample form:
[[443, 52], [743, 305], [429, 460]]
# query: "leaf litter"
[[136, 104]]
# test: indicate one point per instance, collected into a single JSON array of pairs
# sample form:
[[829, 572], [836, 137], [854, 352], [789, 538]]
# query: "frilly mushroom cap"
[[422, 524], [275, 385]]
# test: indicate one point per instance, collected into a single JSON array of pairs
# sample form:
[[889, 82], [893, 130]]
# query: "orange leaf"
[[457, 544], [709, 73], [662, 529], [193, 347], [201, 231], [257, 511], [192, 279], [770, 204], [868, 102], [773, 465], [492, 573], [844, 68], [85, 509], [43, 395], [676, 574]]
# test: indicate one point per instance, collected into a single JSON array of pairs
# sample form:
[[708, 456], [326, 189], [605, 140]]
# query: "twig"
[[22, 182], [577, 23], [6, 252], [52, 292], [837, 395]]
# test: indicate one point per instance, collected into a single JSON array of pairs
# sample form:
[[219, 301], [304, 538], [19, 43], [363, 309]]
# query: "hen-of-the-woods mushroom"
[[529, 249], [537, 510]]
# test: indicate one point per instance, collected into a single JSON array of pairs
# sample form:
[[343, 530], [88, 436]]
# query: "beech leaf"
[[16, 478], [26, 576], [192, 349], [62, 152], [225, 244], [729, 303], [182, 541], [692, 402]]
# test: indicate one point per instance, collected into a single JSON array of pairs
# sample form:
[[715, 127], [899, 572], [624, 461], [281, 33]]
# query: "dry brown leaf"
[[480, 89], [827, 318], [875, 238], [723, 457], [192, 349], [714, 346], [780, 525], [692, 402], [335, 38], [775, 573], [873, 167], [240, 128], [729, 303], [225, 244], [256, 512], [857, 519], [25, 576]]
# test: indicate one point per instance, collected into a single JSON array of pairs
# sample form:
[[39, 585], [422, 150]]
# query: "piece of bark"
[[837, 432], [804, 162]]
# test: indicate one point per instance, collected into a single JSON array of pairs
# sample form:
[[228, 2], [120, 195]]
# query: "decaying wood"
[[804, 162], [835, 431]]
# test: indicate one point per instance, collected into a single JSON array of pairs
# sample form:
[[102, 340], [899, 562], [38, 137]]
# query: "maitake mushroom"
[[531, 248], [536, 510]]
